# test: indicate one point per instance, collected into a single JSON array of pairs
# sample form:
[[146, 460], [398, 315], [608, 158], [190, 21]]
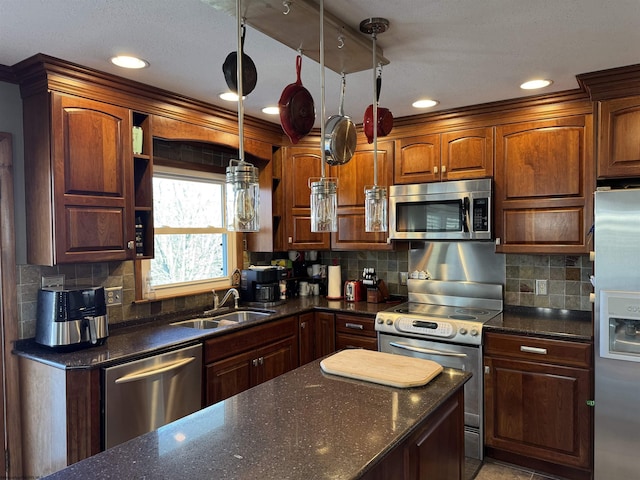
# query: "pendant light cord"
[[375, 115], [322, 102], [239, 82]]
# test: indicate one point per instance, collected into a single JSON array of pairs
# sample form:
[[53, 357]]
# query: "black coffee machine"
[[260, 284]]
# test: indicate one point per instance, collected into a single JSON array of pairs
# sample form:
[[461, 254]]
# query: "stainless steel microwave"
[[453, 210]]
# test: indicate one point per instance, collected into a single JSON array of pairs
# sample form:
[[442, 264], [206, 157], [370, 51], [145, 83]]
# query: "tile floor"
[[492, 470]]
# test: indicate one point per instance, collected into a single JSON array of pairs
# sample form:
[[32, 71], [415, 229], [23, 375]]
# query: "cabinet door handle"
[[303, 325], [435, 169], [444, 169], [261, 360], [539, 351], [254, 362], [355, 326], [130, 244]]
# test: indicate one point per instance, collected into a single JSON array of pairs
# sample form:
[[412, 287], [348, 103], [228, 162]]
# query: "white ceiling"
[[460, 52]]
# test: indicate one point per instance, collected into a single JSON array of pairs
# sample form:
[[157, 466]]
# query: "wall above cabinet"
[[350, 53]]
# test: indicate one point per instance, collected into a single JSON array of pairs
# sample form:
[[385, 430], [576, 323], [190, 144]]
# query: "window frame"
[[234, 245]]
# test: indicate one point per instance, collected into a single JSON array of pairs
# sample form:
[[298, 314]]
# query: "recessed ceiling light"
[[126, 61], [230, 96], [271, 110], [534, 84], [425, 103]]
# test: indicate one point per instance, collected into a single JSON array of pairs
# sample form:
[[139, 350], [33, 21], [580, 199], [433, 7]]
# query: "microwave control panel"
[[481, 214]]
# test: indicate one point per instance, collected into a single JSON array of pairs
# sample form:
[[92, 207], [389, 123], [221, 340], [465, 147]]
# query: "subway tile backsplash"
[[568, 282]]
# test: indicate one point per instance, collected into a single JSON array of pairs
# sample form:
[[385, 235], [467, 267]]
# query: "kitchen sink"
[[204, 323], [242, 315], [222, 320]]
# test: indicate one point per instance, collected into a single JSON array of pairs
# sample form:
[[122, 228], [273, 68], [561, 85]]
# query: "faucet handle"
[[216, 300]]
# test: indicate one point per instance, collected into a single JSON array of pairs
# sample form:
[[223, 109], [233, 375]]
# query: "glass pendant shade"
[[243, 198], [375, 209], [324, 205]]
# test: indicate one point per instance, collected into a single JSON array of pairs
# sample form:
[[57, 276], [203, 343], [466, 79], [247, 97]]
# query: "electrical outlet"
[[53, 281], [114, 295], [541, 287], [403, 277]]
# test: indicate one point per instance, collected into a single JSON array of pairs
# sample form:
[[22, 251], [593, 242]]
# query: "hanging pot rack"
[[289, 23]]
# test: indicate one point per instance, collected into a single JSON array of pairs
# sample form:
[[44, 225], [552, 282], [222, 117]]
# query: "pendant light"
[[375, 196], [242, 188], [324, 196]]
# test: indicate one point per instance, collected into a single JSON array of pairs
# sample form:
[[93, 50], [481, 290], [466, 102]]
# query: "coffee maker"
[[260, 284], [69, 318]]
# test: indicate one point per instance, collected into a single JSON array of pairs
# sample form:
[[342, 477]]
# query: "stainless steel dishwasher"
[[145, 394]]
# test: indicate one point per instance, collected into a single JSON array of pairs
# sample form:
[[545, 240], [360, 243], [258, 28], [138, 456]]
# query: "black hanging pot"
[[340, 135], [249, 73]]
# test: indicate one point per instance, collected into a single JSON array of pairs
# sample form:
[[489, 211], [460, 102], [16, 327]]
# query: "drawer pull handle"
[[355, 326], [539, 351]]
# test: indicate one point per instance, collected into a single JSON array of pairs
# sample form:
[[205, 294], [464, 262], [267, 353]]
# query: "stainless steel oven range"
[[443, 322]]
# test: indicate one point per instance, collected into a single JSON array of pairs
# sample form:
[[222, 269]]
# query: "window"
[[193, 251]]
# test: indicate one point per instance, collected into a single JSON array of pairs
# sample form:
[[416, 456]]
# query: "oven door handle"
[[429, 351]]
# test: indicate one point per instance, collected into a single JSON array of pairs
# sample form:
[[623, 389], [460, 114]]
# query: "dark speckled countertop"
[[543, 322], [324, 427], [126, 342]]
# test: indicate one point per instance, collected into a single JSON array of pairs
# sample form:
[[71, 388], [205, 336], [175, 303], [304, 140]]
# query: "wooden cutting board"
[[383, 368]]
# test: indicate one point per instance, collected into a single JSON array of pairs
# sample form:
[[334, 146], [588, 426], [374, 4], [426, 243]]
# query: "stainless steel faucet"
[[217, 303]]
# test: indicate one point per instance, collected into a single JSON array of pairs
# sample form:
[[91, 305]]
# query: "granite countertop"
[[304, 424], [155, 335], [543, 322]]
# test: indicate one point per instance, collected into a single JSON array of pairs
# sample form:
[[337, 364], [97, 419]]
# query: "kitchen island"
[[304, 424]]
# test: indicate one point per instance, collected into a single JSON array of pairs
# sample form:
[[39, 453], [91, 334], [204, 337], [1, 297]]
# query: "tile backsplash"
[[569, 285], [568, 282]]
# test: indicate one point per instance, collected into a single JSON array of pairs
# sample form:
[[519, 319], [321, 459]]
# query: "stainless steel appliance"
[[71, 318], [454, 210], [143, 395], [443, 322], [617, 334]]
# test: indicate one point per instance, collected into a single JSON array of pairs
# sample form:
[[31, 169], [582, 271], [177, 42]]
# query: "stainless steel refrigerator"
[[617, 335]]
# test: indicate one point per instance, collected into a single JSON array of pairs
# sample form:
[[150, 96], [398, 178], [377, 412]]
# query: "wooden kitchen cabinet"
[[241, 360], [298, 165], [353, 177], [61, 419], [317, 335], [78, 155], [544, 185], [434, 452], [619, 130], [355, 331], [536, 411], [437, 157]]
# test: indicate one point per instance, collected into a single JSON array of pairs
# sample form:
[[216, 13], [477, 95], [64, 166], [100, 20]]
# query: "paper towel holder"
[[334, 288]]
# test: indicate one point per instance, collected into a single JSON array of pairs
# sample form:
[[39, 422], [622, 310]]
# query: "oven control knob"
[[380, 320], [474, 332], [462, 331], [389, 322]]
